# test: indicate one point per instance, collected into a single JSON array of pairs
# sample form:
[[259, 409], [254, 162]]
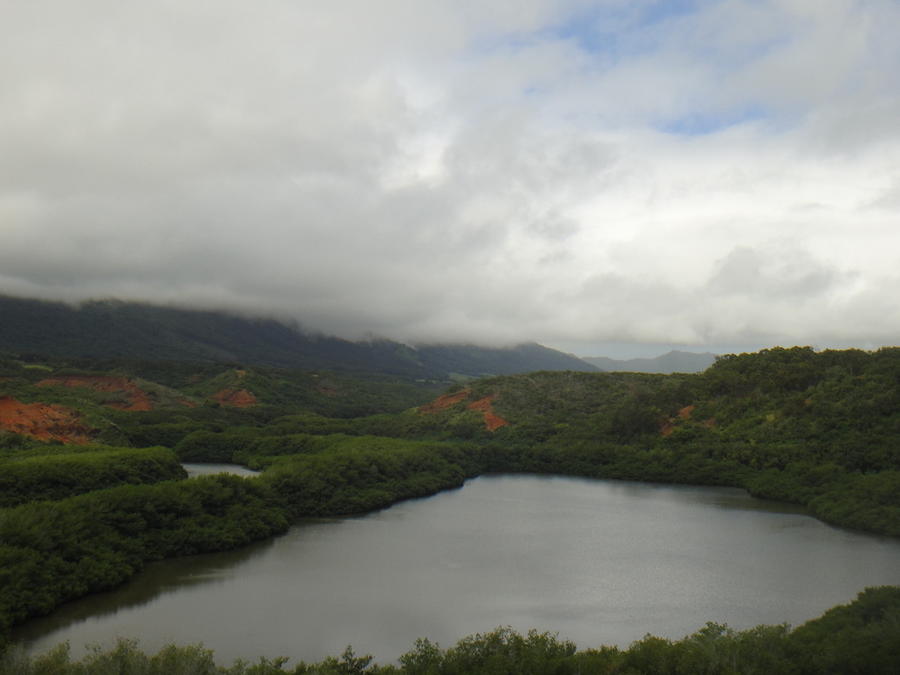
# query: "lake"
[[601, 562]]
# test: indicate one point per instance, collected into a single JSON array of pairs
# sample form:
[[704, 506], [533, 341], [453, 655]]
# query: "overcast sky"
[[579, 173]]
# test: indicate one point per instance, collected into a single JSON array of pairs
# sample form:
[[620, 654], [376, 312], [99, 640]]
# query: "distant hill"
[[114, 329], [673, 362], [814, 428]]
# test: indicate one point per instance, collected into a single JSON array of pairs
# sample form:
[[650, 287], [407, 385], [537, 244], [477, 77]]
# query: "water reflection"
[[157, 579]]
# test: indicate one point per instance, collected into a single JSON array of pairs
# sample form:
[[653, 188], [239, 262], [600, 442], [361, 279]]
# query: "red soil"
[[445, 401], [236, 398], [685, 412], [137, 397], [492, 421], [668, 426], [46, 422]]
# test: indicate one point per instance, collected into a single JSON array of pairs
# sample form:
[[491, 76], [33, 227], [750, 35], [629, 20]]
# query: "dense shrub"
[[32, 476]]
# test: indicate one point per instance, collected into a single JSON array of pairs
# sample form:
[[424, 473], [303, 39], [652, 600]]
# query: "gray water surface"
[[600, 562], [207, 469]]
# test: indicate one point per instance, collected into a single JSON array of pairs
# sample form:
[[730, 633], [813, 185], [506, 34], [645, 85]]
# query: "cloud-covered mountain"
[[130, 330]]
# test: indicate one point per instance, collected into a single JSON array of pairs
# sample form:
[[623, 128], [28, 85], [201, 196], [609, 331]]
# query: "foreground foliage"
[[862, 637]]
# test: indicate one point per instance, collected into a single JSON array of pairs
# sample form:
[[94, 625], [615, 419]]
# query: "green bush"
[[32, 476]]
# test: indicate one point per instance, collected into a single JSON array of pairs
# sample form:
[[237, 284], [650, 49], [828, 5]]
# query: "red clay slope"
[[46, 422], [137, 397], [492, 421], [445, 401], [236, 398]]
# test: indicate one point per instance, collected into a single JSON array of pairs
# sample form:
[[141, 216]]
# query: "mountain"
[[474, 360], [115, 329], [673, 362]]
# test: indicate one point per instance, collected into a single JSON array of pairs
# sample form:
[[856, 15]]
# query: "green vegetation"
[[53, 551], [862, 637], [817, 429], [50, 473]]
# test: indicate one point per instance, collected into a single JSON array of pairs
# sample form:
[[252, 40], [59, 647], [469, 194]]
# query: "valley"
[[83, 515]]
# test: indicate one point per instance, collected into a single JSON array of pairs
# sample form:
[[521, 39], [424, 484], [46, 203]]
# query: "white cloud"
[[491, 171]]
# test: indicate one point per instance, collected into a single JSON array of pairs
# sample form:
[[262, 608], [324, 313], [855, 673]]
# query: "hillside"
[[113, 329], [817, 429], [672, 362], [90, 449], [142, 403]]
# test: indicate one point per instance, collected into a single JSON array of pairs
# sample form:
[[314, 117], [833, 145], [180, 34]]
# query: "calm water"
[[205, 469], [599, 562]]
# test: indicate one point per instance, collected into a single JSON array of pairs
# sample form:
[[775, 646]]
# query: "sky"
[[609, 177]]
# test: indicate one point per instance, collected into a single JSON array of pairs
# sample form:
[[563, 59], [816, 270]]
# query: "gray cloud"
[[780, 274], [567, 172]]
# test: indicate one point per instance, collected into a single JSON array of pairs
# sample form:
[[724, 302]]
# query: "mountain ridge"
[[113, 328], [674, 361]]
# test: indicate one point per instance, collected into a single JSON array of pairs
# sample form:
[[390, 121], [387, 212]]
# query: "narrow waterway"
[[600, 562], [206, 469]]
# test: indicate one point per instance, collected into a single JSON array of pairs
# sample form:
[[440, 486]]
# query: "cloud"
[[777, 275], [496, 171]]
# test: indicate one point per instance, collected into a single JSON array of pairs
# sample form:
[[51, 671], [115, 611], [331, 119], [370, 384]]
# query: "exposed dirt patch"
[[327, 390], [492, 421], [136, 398], [445, 401], [667, 427], [236, 398], [46, 422]]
